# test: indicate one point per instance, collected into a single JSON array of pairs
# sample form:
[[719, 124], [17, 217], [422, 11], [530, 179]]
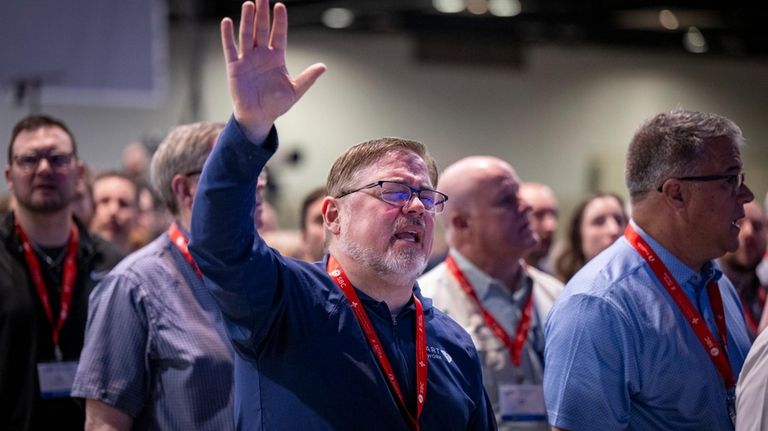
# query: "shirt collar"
[[683, 274], [481, 282]]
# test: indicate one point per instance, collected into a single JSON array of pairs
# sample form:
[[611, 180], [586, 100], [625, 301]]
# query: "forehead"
[[538, 197], [45, 138], [601, 205], [397, 165], [113, 186]]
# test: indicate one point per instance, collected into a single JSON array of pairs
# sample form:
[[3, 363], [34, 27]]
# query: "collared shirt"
[[155, 345], [505, 307], [620, 354], [302, 361]]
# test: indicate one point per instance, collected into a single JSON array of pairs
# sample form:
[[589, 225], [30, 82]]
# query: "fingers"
[[246, 26], [228, 40], [262, 23], [279, 37], [308, 77]]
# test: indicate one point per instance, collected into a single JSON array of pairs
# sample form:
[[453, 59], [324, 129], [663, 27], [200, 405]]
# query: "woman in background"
[[595, 224]]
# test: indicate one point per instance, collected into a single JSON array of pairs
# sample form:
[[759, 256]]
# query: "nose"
[[414, 205], [550, 223], [745, 194], [613, 227], [43, 165]]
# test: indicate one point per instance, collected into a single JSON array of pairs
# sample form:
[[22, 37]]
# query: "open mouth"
[[409, 236]]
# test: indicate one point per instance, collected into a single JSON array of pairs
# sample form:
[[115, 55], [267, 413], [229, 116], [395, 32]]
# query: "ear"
[[458, 220], [183, 191], [8, 180], [80, 169], [332, 215], [675, 195]]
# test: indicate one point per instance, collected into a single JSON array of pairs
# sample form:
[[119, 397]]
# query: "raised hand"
[[259, 83]]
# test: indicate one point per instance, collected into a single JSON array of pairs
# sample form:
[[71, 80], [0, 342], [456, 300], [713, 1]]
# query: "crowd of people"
[[161, 296]]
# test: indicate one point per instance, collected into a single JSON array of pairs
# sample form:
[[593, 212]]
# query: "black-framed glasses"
[[400, 194], [735, 180], [30, 162], [193, 173]]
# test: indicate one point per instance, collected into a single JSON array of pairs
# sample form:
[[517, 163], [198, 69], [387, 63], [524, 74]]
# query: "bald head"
[[463, 180], [484, 218]]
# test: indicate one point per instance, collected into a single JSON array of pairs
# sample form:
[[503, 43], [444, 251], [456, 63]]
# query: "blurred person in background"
[[116, 203], [740, 265], [312, 230], [50, 264], [544, 217], [596, 222]]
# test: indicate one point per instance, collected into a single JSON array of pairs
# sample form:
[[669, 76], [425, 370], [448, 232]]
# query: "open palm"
[[261, 88]]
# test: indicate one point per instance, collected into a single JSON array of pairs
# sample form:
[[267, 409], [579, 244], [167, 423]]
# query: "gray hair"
[[182, 152], [667, 145]]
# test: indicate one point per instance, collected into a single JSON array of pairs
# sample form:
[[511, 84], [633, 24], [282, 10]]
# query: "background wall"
[[564, 118]]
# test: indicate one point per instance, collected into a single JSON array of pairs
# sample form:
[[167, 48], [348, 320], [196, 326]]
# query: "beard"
[[405, 264], [46, 205]]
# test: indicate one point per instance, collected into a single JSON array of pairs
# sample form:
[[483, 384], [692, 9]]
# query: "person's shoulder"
[[429, 281]]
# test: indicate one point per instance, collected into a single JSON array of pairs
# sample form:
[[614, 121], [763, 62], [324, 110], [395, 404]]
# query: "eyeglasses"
[[735, 180], [30, 162], [400, 194]]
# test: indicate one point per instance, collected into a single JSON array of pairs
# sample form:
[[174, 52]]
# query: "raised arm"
[[240, 270], [259, 83]]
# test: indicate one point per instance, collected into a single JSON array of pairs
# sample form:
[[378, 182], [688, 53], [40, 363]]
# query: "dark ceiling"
[[734, 29]]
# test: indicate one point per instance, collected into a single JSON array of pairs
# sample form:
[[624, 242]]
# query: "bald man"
[[484, 284], [544, 220]]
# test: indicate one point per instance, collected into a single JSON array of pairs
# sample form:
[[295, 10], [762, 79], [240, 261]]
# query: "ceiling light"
[[694, 41], [504, 8], [448, 6], [668, 19], [337, 17], [477, 7]]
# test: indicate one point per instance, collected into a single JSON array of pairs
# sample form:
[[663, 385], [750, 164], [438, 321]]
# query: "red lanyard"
[[718, 357], [521, 334], [67, 280], [751, 324], [338, 275], [181, 242]]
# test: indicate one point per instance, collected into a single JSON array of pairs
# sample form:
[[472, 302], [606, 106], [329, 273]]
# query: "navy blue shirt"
[[302, 361]]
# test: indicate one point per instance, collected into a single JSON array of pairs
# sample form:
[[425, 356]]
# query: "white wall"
[[570, 110]]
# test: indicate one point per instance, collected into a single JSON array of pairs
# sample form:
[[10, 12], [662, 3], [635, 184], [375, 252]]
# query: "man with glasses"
[[348, 343], [49, 265], [486, 287], [650, 334], [156, 354]]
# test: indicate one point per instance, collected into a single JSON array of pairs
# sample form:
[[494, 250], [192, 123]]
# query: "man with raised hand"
[[348, 343]]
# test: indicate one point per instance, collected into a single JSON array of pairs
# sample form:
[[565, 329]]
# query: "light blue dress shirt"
[[620, 355]]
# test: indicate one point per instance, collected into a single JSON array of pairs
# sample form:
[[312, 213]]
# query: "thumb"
[[307, 78]]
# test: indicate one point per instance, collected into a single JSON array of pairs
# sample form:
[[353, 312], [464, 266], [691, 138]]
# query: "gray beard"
[[405, 265]]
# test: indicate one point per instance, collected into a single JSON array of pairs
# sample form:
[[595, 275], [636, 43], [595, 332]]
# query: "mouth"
[[408, 236], [738, 222]]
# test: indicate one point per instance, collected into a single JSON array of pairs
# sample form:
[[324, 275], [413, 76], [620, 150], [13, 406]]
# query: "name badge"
[[56, 378], [522, 403]]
